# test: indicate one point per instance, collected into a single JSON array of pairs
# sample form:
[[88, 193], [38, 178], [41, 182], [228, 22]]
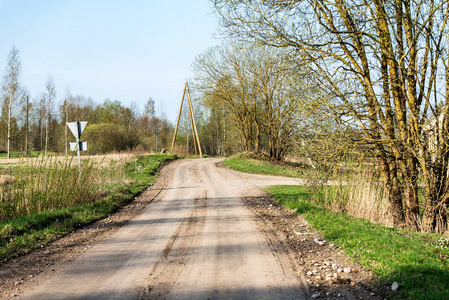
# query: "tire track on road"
[[176, 253]]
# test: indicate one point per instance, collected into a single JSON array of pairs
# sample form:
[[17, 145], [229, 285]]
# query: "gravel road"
[[202, 231], [198, 240]]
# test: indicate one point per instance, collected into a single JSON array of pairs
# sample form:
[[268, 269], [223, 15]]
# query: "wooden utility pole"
[[192, 119], [192, 123], [196, 139], [179, 117], [26, 125], [65, 127]]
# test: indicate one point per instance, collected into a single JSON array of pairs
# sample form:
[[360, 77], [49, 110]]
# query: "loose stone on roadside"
[[323, 263], [319, 242]]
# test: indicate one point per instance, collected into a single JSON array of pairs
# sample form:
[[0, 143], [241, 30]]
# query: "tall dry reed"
[[359, 194], [51, 183], [369, 200]]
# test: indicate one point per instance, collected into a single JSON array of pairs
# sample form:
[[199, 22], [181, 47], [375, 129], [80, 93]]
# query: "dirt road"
[[202, 231], [197, 240]]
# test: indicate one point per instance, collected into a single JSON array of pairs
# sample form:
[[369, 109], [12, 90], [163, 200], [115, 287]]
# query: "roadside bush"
[[105, 138]]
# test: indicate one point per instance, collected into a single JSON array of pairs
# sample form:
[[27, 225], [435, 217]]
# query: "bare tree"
[[149, 109], [65, 117], [222, 74], [50, 96], [260, 90], [385, 62], [25, 110], [11, 90]]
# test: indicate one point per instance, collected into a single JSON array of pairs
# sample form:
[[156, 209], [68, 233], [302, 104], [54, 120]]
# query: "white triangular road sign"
[[77, 128]]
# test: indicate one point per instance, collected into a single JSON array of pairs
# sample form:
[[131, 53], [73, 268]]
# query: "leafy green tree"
[[110, 112], [108, 137]]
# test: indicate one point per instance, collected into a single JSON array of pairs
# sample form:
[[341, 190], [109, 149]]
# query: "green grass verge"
[[18, 154], [257, 166], [419, 262], [20, 235], [195, 156]]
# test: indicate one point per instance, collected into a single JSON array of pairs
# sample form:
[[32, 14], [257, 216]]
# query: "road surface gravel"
[[206, 232]]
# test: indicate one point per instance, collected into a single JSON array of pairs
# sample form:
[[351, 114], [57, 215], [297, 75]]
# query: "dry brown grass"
[[5, 178], [359, 196], [36, 184], [370, 201], [100, 160]]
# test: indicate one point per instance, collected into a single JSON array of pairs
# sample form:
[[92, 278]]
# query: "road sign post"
[[77, 129]]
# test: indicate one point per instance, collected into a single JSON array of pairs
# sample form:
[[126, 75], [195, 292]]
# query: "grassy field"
[[418, 262], [109, 187]]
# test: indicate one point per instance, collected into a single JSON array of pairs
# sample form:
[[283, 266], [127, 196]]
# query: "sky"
[[127, 50]]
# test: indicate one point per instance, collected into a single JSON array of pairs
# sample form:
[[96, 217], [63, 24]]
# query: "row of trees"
[[39, 124], [384, 67]]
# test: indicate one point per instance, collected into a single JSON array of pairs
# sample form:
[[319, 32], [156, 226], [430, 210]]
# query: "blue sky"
[[126, 50]]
